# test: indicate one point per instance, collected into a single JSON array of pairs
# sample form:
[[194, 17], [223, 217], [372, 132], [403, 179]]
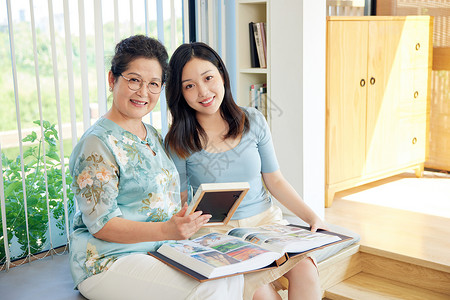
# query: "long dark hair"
[[185, 135], [137, 46]]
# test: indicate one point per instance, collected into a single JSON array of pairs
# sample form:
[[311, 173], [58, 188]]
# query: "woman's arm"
[[179, 227], [280, 188]]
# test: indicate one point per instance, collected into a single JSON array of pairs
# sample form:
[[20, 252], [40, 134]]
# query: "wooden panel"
[[439, 124], [420, 42], [414, 60], [439, 133], [411, 142], [397, 102], [346, 99], [412, 129], [420, 88], [370, 287], [407, 273], [376, 18], [413, 92], [337, 271], [385, 7], [385, 56], [441, 58]]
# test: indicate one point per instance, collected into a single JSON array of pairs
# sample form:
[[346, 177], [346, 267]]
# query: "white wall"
[[297, 81]]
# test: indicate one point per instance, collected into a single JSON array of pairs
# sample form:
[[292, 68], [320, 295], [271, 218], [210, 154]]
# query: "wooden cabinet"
[[378, 71]]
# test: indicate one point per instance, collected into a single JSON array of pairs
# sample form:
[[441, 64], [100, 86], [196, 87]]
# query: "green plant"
[[35, 175]]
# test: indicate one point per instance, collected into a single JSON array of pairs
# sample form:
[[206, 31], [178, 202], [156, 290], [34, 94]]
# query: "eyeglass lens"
[[136, 84]]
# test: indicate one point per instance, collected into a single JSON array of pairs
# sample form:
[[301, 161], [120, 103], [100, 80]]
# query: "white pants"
[[140, 276]]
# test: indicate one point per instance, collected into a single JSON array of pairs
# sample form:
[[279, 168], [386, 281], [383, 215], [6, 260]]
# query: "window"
[[55, 57]]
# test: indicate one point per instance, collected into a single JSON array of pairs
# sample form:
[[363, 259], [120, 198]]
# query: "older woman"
[[127, 190]]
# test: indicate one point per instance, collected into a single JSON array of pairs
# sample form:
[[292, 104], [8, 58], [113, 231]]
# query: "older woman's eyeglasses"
[[135, 84]]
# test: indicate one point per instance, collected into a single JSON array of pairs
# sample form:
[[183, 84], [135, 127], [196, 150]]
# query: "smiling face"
[[133, 105], [202, 86]]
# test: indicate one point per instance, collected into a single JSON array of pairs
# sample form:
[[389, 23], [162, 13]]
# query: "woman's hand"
[[280, 188], [317, 224], [181, 227]]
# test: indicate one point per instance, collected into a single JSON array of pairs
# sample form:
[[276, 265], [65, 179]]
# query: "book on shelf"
[[243, 250], [259, 44], [220, 200], [263, 100], [258, 97], [254, 61], [262, 27]]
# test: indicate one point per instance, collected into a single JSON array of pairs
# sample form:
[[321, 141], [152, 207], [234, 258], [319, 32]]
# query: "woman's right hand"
[[181, 227]]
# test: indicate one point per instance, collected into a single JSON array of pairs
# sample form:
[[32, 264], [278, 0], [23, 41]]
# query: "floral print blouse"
[[116, 174]]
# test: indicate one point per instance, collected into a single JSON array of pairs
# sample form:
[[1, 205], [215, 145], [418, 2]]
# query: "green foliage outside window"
[[26, 79], [35, 174]]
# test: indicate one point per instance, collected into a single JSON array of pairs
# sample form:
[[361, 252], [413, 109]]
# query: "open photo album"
[[242, 250]]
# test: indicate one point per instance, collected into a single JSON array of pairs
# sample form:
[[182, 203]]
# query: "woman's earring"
[[110, 88]]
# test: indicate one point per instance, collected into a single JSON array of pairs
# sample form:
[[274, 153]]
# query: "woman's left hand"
[[181, 227], [318, 224]]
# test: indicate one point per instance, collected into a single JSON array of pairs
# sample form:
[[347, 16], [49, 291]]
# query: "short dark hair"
[[185, 135], [138, 46]]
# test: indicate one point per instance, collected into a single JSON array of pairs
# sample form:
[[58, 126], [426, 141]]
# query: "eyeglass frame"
[[142, 83]]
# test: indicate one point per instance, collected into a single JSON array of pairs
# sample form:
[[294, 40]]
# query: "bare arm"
[[179, 227], [280, 188]]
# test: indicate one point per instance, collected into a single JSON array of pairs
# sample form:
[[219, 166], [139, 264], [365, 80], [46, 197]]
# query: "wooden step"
[[414, 272], [370, 287], [359, 272], [385, 275], [340, 266]]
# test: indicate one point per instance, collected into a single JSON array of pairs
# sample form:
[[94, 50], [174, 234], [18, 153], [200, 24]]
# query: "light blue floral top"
[[115, 174]]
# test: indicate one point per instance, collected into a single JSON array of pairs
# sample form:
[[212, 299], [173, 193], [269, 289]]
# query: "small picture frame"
[[219, 200]]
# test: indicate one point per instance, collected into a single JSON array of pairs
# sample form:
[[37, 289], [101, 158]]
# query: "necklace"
[[144, 132]]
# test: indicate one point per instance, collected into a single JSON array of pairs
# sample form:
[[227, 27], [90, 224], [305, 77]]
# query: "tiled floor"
[[48, 278]]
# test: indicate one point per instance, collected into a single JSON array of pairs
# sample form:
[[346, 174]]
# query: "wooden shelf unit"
[[246, 12]]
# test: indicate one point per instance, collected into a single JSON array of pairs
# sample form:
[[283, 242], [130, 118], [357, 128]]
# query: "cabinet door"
[[383, 98], [414, 89], [414, 66], [412, 139], [346, 99]]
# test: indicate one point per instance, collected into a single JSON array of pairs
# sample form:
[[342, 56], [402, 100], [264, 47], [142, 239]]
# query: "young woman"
[[211, 139], [127, 189]]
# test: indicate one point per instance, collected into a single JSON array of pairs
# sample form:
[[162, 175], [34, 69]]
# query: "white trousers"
[[140, 276]]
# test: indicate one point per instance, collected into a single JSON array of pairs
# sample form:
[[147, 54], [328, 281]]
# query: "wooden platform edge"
[[407, 273], [405, 259], [367, 286], [344, 264], [364, 273]]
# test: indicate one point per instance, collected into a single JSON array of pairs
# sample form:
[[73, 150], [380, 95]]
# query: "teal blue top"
[[252, 156], [115, 174]]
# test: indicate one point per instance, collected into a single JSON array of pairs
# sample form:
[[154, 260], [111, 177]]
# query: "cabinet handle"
[[414, 141], [372, 80], [417, 46], [362, 82], [416, 94]]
